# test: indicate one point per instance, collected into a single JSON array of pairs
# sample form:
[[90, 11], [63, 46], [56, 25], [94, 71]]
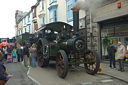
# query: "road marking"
[[31, 77], [86, 83], [109, 80]]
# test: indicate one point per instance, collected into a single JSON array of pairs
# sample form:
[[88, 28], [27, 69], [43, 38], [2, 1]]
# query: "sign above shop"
[[118, 34], [119, 5]]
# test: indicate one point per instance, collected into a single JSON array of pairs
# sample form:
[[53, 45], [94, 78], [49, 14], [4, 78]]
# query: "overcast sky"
[[7, 15]]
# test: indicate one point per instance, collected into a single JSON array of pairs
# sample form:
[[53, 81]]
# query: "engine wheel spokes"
[[42, 62], [93, 61], [40, 57], [62, 64]]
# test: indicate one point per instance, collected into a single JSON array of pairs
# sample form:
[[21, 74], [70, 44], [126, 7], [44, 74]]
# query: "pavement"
[[114, 72], [34, 74]]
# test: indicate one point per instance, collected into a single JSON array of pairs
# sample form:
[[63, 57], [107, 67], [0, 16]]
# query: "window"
[[41, 5], [24, 20], [51, 16], [55, 16], [42, 20], [25, 29], [34, 12], [28, 18], [29, 28], [51, 1], [53, 13], [69, 11], [19, 32]]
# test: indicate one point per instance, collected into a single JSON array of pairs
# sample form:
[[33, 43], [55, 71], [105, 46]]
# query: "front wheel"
[[92, 61], [62, 64]]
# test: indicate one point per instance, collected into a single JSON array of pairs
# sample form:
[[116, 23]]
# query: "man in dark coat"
[[111, 53], [9, 49], [26, 54]]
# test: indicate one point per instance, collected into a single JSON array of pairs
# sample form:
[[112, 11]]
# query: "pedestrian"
[[21, 53], [14, 55], [120, 56], [33, 55], [13, 46], [9, 54], [26, 55], [111, 53], [5, 52], [9, 49], [4, 77], [19, 50]]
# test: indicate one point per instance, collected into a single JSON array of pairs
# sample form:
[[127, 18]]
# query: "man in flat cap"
[[120, 55], [111, 53]]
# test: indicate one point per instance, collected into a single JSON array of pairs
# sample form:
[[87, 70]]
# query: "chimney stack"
[[76, 21]]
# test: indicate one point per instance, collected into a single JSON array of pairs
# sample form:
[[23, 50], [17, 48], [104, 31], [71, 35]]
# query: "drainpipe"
[[91, 27]]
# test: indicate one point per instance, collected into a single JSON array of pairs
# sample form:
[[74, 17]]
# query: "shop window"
[[113, 35]]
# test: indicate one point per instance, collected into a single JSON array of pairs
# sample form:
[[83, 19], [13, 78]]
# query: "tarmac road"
[[48, 76], [19, 73]]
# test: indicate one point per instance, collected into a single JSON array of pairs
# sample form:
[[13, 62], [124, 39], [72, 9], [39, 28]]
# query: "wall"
[[61, 11], [111, 11]]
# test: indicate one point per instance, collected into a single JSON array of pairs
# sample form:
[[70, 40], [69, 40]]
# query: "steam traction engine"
[[61, 42]]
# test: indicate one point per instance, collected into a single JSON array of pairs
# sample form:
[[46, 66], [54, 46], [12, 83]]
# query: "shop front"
[[112, 31]]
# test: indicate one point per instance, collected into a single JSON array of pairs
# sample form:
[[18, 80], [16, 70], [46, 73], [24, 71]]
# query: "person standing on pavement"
[[14, 55], [9, 49], [5, 52], [21, 53], [26, 55], [111, 53], [19, 50], [4, 77], [32, 58], [120, 56]]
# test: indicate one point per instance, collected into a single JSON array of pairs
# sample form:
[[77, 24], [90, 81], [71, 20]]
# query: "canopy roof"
[[56, 26]]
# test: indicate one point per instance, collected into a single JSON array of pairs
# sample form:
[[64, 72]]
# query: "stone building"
[[108, 23]]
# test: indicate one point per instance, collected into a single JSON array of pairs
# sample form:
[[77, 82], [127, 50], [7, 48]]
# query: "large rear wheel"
[[92, 62], [42, 59], [62, 64]]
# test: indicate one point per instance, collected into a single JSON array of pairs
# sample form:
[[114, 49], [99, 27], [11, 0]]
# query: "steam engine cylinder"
[[76, 44]]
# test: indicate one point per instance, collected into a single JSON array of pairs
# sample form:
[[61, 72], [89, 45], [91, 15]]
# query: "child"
[[14, 55]]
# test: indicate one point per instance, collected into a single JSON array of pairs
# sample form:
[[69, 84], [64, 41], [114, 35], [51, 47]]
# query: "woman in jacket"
[[4, 77], [32, 58], [19, 50]]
